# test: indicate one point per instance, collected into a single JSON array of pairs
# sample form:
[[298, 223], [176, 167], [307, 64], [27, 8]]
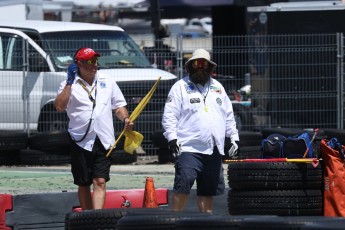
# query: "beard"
[[200, 76]]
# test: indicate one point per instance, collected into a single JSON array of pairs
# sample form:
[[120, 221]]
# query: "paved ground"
[[19, 180], [39, 179]]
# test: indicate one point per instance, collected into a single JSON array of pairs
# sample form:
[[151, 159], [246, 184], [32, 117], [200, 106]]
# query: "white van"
[[34, 56]]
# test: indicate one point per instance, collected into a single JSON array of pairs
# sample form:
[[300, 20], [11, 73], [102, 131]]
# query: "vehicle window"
[[117, 49], [12, 48]]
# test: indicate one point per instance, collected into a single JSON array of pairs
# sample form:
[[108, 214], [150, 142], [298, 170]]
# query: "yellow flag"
[[132, 141], [135, 114]]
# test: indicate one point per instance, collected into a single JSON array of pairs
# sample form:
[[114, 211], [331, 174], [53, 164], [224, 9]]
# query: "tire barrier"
[[276, 202], [57, 210], [274, 175], [164, 219], [275, 188], [10, 145], [290, 222]]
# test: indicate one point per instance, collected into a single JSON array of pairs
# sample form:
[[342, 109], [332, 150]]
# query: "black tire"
[[121, 157], [51, 120], [250, 152], [276, 202], [210, 222], [243, 117], [49, 140], [331, 224], [249, 138], [158, 139], [274, 175], [13, 140], [287, 222], [101, 219], [37, 157], [288, 132], [164, 156], [10, 157], [163, 220]]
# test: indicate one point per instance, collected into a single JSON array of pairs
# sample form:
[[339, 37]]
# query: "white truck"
[[34, 56]]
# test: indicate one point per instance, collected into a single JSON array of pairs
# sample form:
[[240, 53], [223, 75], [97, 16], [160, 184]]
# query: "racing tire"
[[49, 140], [274, 175], [101, 219], [287, 222], [243, 117], [218, 222], [121, 157], [13, 140], [276, 202], [38, 157], [288, 132], [159, 220]]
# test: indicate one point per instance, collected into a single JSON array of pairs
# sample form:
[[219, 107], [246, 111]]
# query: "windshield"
[[117, 49]]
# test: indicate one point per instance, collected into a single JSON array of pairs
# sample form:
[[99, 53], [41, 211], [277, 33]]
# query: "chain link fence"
[[293, 81]]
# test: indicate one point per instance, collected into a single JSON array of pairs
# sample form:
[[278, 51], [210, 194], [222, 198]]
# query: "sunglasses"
[[199, 63], [92, 62]]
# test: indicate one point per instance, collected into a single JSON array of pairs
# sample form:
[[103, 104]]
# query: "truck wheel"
[[52, 120]]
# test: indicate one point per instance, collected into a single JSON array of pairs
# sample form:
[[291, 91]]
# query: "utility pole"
[[156, 20]]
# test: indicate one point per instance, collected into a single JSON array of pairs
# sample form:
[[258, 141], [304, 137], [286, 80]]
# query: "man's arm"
[[61, 100], [122, 114]]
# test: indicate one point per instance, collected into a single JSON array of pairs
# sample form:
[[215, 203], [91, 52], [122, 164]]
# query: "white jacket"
[[197, 125]]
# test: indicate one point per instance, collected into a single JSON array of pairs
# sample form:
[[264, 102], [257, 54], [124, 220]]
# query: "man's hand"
[[72, 70], [174, 148], [234, 150]]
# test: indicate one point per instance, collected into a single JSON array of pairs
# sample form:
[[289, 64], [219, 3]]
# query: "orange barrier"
[[150, 197]]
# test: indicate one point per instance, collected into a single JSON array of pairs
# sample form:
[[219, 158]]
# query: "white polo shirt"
[[199, 125], [80, 110]]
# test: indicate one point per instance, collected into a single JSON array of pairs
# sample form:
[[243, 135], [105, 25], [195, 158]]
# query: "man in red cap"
[[89, 98]]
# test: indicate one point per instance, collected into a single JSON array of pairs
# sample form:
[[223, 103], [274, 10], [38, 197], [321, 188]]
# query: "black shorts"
[[88, 165], [206, 170]]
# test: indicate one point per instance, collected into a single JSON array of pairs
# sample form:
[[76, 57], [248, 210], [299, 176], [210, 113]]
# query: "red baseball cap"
[[86, 54]]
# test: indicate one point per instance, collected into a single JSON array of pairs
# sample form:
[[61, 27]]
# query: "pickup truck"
[[33, 61]]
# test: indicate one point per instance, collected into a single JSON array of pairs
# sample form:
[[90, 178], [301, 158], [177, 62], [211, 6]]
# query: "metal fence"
[[291, 81]]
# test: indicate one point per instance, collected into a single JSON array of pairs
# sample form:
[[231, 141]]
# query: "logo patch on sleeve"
[[169, 99], [219, 101]]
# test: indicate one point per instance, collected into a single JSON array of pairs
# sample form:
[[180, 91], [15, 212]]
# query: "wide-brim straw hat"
[[201, 53]]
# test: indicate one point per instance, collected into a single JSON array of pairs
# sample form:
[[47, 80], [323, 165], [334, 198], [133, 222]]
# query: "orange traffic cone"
[[150, 198]]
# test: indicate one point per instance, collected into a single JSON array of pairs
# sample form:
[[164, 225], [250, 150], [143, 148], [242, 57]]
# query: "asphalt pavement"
[[20, 180]]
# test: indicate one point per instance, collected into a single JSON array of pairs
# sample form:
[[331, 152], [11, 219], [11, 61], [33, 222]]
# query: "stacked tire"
[[47, 148], [275, 188], [11, 144]]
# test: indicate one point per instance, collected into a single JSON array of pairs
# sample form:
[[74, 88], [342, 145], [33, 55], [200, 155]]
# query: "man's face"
[[200, 71], [89, 67]]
